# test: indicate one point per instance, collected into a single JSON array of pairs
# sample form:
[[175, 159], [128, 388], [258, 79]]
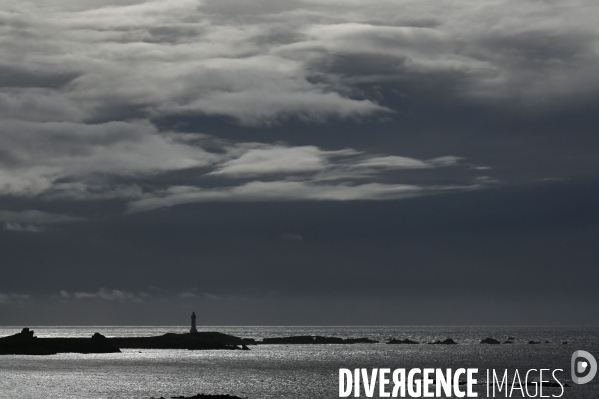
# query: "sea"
[[286, 371]]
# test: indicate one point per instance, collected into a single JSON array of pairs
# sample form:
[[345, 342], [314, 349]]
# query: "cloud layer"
[[85, 85], [341, 147], [32, 220]]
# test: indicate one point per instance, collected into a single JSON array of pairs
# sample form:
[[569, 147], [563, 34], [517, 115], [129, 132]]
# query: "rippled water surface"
[[281, 371]]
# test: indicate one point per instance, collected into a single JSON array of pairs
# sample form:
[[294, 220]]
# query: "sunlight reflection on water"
[[277, 371]]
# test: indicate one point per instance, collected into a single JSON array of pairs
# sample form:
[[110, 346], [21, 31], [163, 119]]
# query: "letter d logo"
[[580, 366]]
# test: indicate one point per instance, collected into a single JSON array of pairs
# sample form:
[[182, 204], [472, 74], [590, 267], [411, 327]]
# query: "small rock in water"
[[490, 341], [399, 341], [448, 341]]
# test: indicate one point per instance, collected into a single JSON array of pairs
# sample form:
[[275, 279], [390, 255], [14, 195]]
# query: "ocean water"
[[283, 371]]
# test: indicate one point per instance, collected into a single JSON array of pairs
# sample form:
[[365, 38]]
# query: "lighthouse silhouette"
[[193, 330]]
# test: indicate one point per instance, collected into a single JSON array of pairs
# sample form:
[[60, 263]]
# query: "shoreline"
[[25, 343]]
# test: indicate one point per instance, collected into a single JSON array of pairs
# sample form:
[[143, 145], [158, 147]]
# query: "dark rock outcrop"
[[404, 341], [314, 339], [359, 341], [490, 341], [534, 342], [195, 341], [448, 341], [25, 343]]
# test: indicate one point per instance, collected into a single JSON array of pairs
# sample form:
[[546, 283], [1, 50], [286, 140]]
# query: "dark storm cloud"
[[32, 221], [65, 68], [400, 138], [14, 77]]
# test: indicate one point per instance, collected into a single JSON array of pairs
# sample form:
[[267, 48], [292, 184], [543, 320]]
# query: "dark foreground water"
[[283, 371]]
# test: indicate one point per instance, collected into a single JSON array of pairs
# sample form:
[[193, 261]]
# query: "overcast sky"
[[299, 162]]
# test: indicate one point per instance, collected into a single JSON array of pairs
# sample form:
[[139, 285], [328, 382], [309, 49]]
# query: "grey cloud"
[[310, 117], [119, 295], [211, 296], [39, 105], [12, 298], [144, 61], [90, 190], [310, 174], [217, 70], [21, 227], [258, 191], [274, 159], [40, 156], [224, 65], [255, 107], [250, 7], [393, 162], [526, 59], [32, 221], [13, 77], [397, 162], [261, 159], [76, 160], [103, 294], [445, 161]]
